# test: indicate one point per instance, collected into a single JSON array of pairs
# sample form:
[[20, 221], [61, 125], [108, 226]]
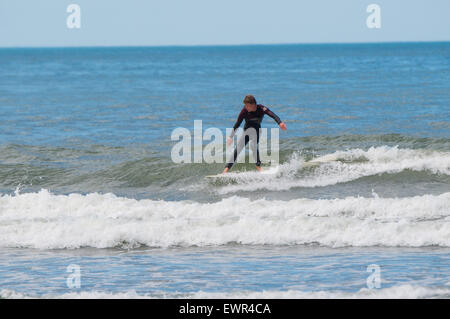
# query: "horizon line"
[[216, 45]]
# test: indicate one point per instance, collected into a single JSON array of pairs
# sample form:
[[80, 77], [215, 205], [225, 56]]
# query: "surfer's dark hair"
[[249, 99]]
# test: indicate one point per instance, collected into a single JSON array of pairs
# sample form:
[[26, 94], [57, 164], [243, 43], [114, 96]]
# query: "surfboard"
[[267, 171], [271, 170]]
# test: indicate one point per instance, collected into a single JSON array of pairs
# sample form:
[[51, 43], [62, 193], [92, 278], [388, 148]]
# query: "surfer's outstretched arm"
[[267, 111], [236, 125], [275, 117], [230, 138], [238, 122]]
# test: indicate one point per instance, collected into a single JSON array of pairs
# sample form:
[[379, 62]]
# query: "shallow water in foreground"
[[232, 271]]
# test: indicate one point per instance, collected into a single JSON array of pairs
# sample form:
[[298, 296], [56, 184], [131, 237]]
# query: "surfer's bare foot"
[[259, 168], [225, 170]]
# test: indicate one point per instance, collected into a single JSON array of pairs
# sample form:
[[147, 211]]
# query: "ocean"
[[92, 204]]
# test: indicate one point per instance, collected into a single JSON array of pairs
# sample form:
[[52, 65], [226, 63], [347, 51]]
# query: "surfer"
[[253, 114]]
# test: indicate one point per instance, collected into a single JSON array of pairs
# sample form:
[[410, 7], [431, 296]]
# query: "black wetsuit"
[[252, 120]]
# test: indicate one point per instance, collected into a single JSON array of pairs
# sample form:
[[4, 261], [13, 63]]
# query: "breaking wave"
[[394, 292], [339, 167], [47, 221]]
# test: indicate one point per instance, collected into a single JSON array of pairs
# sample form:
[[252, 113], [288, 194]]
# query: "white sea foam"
[[395, 292], [44, 220], [341, 167]]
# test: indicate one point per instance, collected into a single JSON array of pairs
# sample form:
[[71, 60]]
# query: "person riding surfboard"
[[253, 114]]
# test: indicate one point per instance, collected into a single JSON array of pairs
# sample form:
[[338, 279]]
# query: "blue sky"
[[206, 22]]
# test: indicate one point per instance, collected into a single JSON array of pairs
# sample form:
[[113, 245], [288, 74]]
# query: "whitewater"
[[44, 220], [399, 292], [341, 167]]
